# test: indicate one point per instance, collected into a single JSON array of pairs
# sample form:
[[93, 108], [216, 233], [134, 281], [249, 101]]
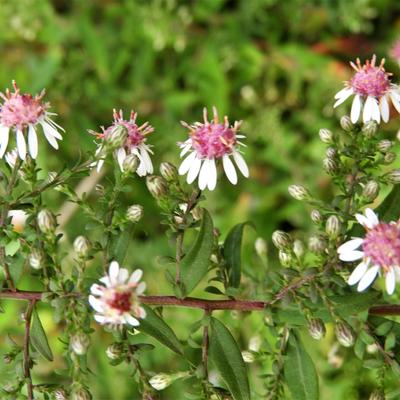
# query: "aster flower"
[[22, 113], [134, 144], [379, 252], [116, 301], [209, 142], [372, 92]]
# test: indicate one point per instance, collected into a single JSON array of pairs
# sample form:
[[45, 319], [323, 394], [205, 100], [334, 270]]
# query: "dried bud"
[[80, 343], [369, 129], [168, 171], [46, 221], [130, 163], [317, 244], [331, 153], [385, 145], [344, 334], [299, 192], [117, 137], [333, 226], [389, 157], [282, 240], [394, 176], [60, 394], [115, 351], [285, 258], [261, 247], [157, 186], [346, 124], [377, 395], [326, 135], [82, 246], [298, 248], [316, 216], [371, 190], [316, 328], [36, 259], [134, 213], [330, 165], [248, 356], [80, 394]]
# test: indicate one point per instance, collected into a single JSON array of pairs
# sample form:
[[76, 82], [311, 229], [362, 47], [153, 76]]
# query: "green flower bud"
[[331, 153], [51, 176], [261, 247], [385, 145], [371, 190], [333, 226], [330, 165], [82, 246], [282, 240], [317, 244], [134, 213], [80, 394], [161, 381], [394, 176], [299, 192], [116, 138], [130, 163], [346, 124], [316, 328], [36, 259], [157, 186], [316, 216], [326, 136], [284, 258], [46, 221], [389, 157], [344, 334], [80, 343], [248, 356], [168, 171], [115, 351], [369, 129]]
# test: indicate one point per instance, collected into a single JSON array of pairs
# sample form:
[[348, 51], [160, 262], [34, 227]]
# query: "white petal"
[[141, 288], [96, 304], [351, 245], [355, 109], [364, 221], [47, 130], [96, 289], [243, 168], [395, 97], [100, 164], [229, 169], [212, 181], [358, 273], [142, 312], [372, 217], [4, 135], [32, 142], [131, 320], [136, 276], [123, 275], [194, 170], [347, 92], [146, 159], [351, 255], [21, 145], [121, 155], [390, 281], [368, 278], [369, 109], [186, 163], [376, 113], [113, 272], [51, 130], [384, 105], [101, 319], [105, 280], [204, 174]]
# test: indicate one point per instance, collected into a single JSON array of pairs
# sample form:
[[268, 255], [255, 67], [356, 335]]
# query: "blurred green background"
[[274, 64]]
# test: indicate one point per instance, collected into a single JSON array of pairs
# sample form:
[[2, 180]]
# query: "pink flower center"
[[382, 245], [121, 301], [213, 140], [21, 110]]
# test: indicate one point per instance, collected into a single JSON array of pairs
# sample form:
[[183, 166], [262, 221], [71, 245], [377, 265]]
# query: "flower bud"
[[344, 334], [282, 240], [46, 221], [385, 145], [316, 328], [316, 216], [371, 190], [326, 136], [389, 157], [333, 226], [377, 395], [36, 259], [394, 176], [346, 124], [60, 394], [298, 248], [197, 213], [331, 153], [51, 176], [80, 343], [130, 163], [134, 213], [161, 381], [261, 247], [317, 244], [284, 258], [299, 192], [330, 165], [255, 343], [82, 246], [100, 190], [369, 129], [116, 138], [115, 351], [157, 186], [80, 394], [248, 356], [168, 171], [8, 358]]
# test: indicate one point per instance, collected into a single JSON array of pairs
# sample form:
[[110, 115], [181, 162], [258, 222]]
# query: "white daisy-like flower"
[[135, 143], [379, 252], [209, 142], [372, 92], [23, 113], [116, 301]]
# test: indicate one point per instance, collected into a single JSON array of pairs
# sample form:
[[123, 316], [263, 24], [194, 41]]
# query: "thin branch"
[[27, 360], [205, 346]]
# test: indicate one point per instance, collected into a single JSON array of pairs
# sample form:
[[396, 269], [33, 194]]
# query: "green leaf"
[[121, 244], [155, 326], [12, 247], [389, 210], [227, 357], [232, 253], [39, 338], [299, 369], [194, 265]]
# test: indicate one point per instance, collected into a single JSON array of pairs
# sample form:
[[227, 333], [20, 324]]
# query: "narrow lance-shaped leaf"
[[389, 210], [194, 265], [121, 244], [39, 338], [232, 253], [299, 369], [226, 355], [155, 326]]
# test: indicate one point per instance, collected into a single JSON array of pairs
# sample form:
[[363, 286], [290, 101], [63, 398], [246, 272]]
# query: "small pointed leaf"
[[38, 337]]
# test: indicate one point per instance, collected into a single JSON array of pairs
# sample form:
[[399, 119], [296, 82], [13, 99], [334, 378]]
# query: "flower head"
[[372, 92], [116, 301], [22, 113], [210, 141], [379, 252], [135, 142]]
